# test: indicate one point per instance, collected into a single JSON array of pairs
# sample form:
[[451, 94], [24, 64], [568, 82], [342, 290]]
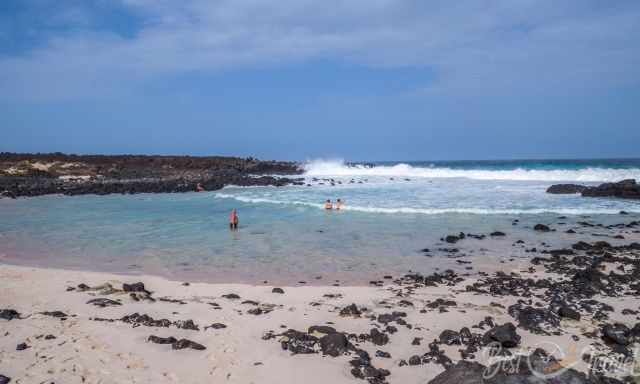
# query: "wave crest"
[[336, 168], [427, 211]]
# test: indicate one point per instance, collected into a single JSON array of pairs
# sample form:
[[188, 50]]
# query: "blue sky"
[[359, 79]]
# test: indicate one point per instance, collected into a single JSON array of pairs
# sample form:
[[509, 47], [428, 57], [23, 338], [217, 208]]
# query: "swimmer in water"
[[233, 219], [338, 204], [328, 205]]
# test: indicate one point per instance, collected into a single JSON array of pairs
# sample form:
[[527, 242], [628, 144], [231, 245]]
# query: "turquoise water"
[[392, 211]]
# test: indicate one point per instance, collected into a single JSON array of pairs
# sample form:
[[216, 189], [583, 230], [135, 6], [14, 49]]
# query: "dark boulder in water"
[[452, 239], [561, 189], [625, 189], [541, 228]]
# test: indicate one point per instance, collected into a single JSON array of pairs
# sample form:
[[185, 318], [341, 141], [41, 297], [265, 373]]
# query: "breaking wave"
[[428, 211], [323, 168]]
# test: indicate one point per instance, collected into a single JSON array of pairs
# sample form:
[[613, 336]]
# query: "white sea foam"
[[333, 168], [429, 211]]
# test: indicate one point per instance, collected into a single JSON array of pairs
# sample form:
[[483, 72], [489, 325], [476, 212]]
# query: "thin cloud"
[[495, 46]]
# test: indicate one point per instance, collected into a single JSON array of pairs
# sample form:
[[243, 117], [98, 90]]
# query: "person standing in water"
[[328, 205], [338, 204], [233, 219]]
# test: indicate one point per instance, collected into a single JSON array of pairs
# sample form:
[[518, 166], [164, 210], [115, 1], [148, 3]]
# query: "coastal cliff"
[[58, 173]]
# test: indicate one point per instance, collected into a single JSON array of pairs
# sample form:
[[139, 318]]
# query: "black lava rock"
[[541, 228], [104, 302], [9, 314], [323, 329], [58, 314], [21, 347], [449, 337], [504, 334], [626, 189], [185, 343], [334, 344], [377, 337], [298, 342], [351, 310], [415, 360], [216, 326], [616, 333], [569, 313], [135, 287], [561, 189]]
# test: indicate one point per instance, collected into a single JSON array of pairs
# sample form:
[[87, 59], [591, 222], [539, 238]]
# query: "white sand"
[[87, 351]]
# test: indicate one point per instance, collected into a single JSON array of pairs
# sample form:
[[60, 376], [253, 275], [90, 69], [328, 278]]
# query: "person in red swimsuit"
[[233, 219]]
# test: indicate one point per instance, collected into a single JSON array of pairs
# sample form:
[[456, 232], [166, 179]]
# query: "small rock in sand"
[[59, 314], [103, 302], [135, 287], [21, 347], [216, 326], [9, 314]]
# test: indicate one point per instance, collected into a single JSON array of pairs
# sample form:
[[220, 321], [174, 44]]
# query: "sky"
[[305, 79]]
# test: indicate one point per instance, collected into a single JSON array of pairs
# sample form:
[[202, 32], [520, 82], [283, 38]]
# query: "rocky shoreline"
[[565, 315], [625, 189], [42, 174]]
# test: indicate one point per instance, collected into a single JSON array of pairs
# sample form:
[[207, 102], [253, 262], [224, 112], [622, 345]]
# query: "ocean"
[[392, 212]]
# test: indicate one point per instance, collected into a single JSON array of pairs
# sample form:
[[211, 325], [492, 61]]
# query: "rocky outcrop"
[[625, 189], [564, 189], [42, 174]]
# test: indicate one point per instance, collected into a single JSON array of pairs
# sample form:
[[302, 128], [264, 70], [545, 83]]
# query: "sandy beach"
[[69, 339]]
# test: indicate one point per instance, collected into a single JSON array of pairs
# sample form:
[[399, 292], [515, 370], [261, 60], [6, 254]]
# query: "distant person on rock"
[[199, 188], [338, 204], [328, 205], [233, 219]]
